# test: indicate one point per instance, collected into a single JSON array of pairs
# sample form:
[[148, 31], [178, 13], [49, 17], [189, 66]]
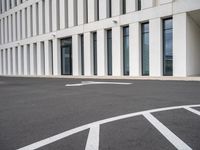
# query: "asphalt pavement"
[[33, 109]]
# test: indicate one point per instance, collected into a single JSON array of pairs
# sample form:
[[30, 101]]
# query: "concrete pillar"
[[56, 57], [63, 13], [1, 63], [41, 17], [10, 28], [101, 53], [147, 3], [13, 3], [155, 49], [88, 55], [40, 58], [8, 4], [116, 7], [9, 61], [18, 2], [18, 26], [48, 57], [3, 5], [131, 5], [179, 45], [71, 13], [2, 30], [14, 27], [55, 15], [25, 60], [23, 24], [4, 62], [76, 55], [34, 21], [92, 10], [47, 16], [14, 60], [104, 9], [81, 11], [135, 49], [33, 59], [29, 21], [20, 60], [6, 30], [117, 47]]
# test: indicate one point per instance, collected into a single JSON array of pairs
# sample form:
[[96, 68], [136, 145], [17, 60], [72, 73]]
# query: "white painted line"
[[93, 138], [97, 83], [193, 110], [84, 127], [169, 135]]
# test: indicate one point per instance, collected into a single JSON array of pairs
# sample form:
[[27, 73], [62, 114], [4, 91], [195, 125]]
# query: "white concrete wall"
[[193, 47]]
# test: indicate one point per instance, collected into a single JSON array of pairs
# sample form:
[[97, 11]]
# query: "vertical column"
[[9, 61], [179, 45], [10, 28], [48, 57], [25, 60], [14, 61], [3, 5], [47, 16], [14, 27], [130, 5], [2, 41], [18, 2], [117, 51], [92, 14], [19, 60], [13, 3], [56, 57], [40, 65], [88, 54], [116, 7], [71, 12], [135, 50], [101, 53], [29, 17], [4, 62], [34, 21], [147, 4], [62, 14], [103, 13], [41, 17], [23, 24], [18, 26], [33, 59], [155, 50], [54, 15], [6, 29], [76, 45], [8, 4], [81, 11], [1, 63]]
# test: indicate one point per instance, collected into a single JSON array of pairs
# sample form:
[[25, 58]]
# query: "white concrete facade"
[[31, 32]]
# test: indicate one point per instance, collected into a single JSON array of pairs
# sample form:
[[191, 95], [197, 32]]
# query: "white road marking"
[[93, 138], [169, 135], [88, 126], [193, 110], [96, 83]]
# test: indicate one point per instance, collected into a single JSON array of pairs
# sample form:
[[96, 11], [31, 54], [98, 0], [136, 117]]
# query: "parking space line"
[[93, 138], [65, 134], [169, 135], [193, 110]]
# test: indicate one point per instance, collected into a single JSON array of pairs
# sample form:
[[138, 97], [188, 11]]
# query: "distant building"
[[100, 37]]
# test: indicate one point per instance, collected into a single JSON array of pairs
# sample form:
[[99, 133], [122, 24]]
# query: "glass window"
[[126, 50], [145, 49], [123, 6], [95, 52], [167, 47], [109, 51], [110, 8], [82, 54], [139, 4]]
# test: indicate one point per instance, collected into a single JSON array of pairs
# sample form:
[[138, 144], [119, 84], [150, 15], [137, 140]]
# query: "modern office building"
[[100, 37]]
